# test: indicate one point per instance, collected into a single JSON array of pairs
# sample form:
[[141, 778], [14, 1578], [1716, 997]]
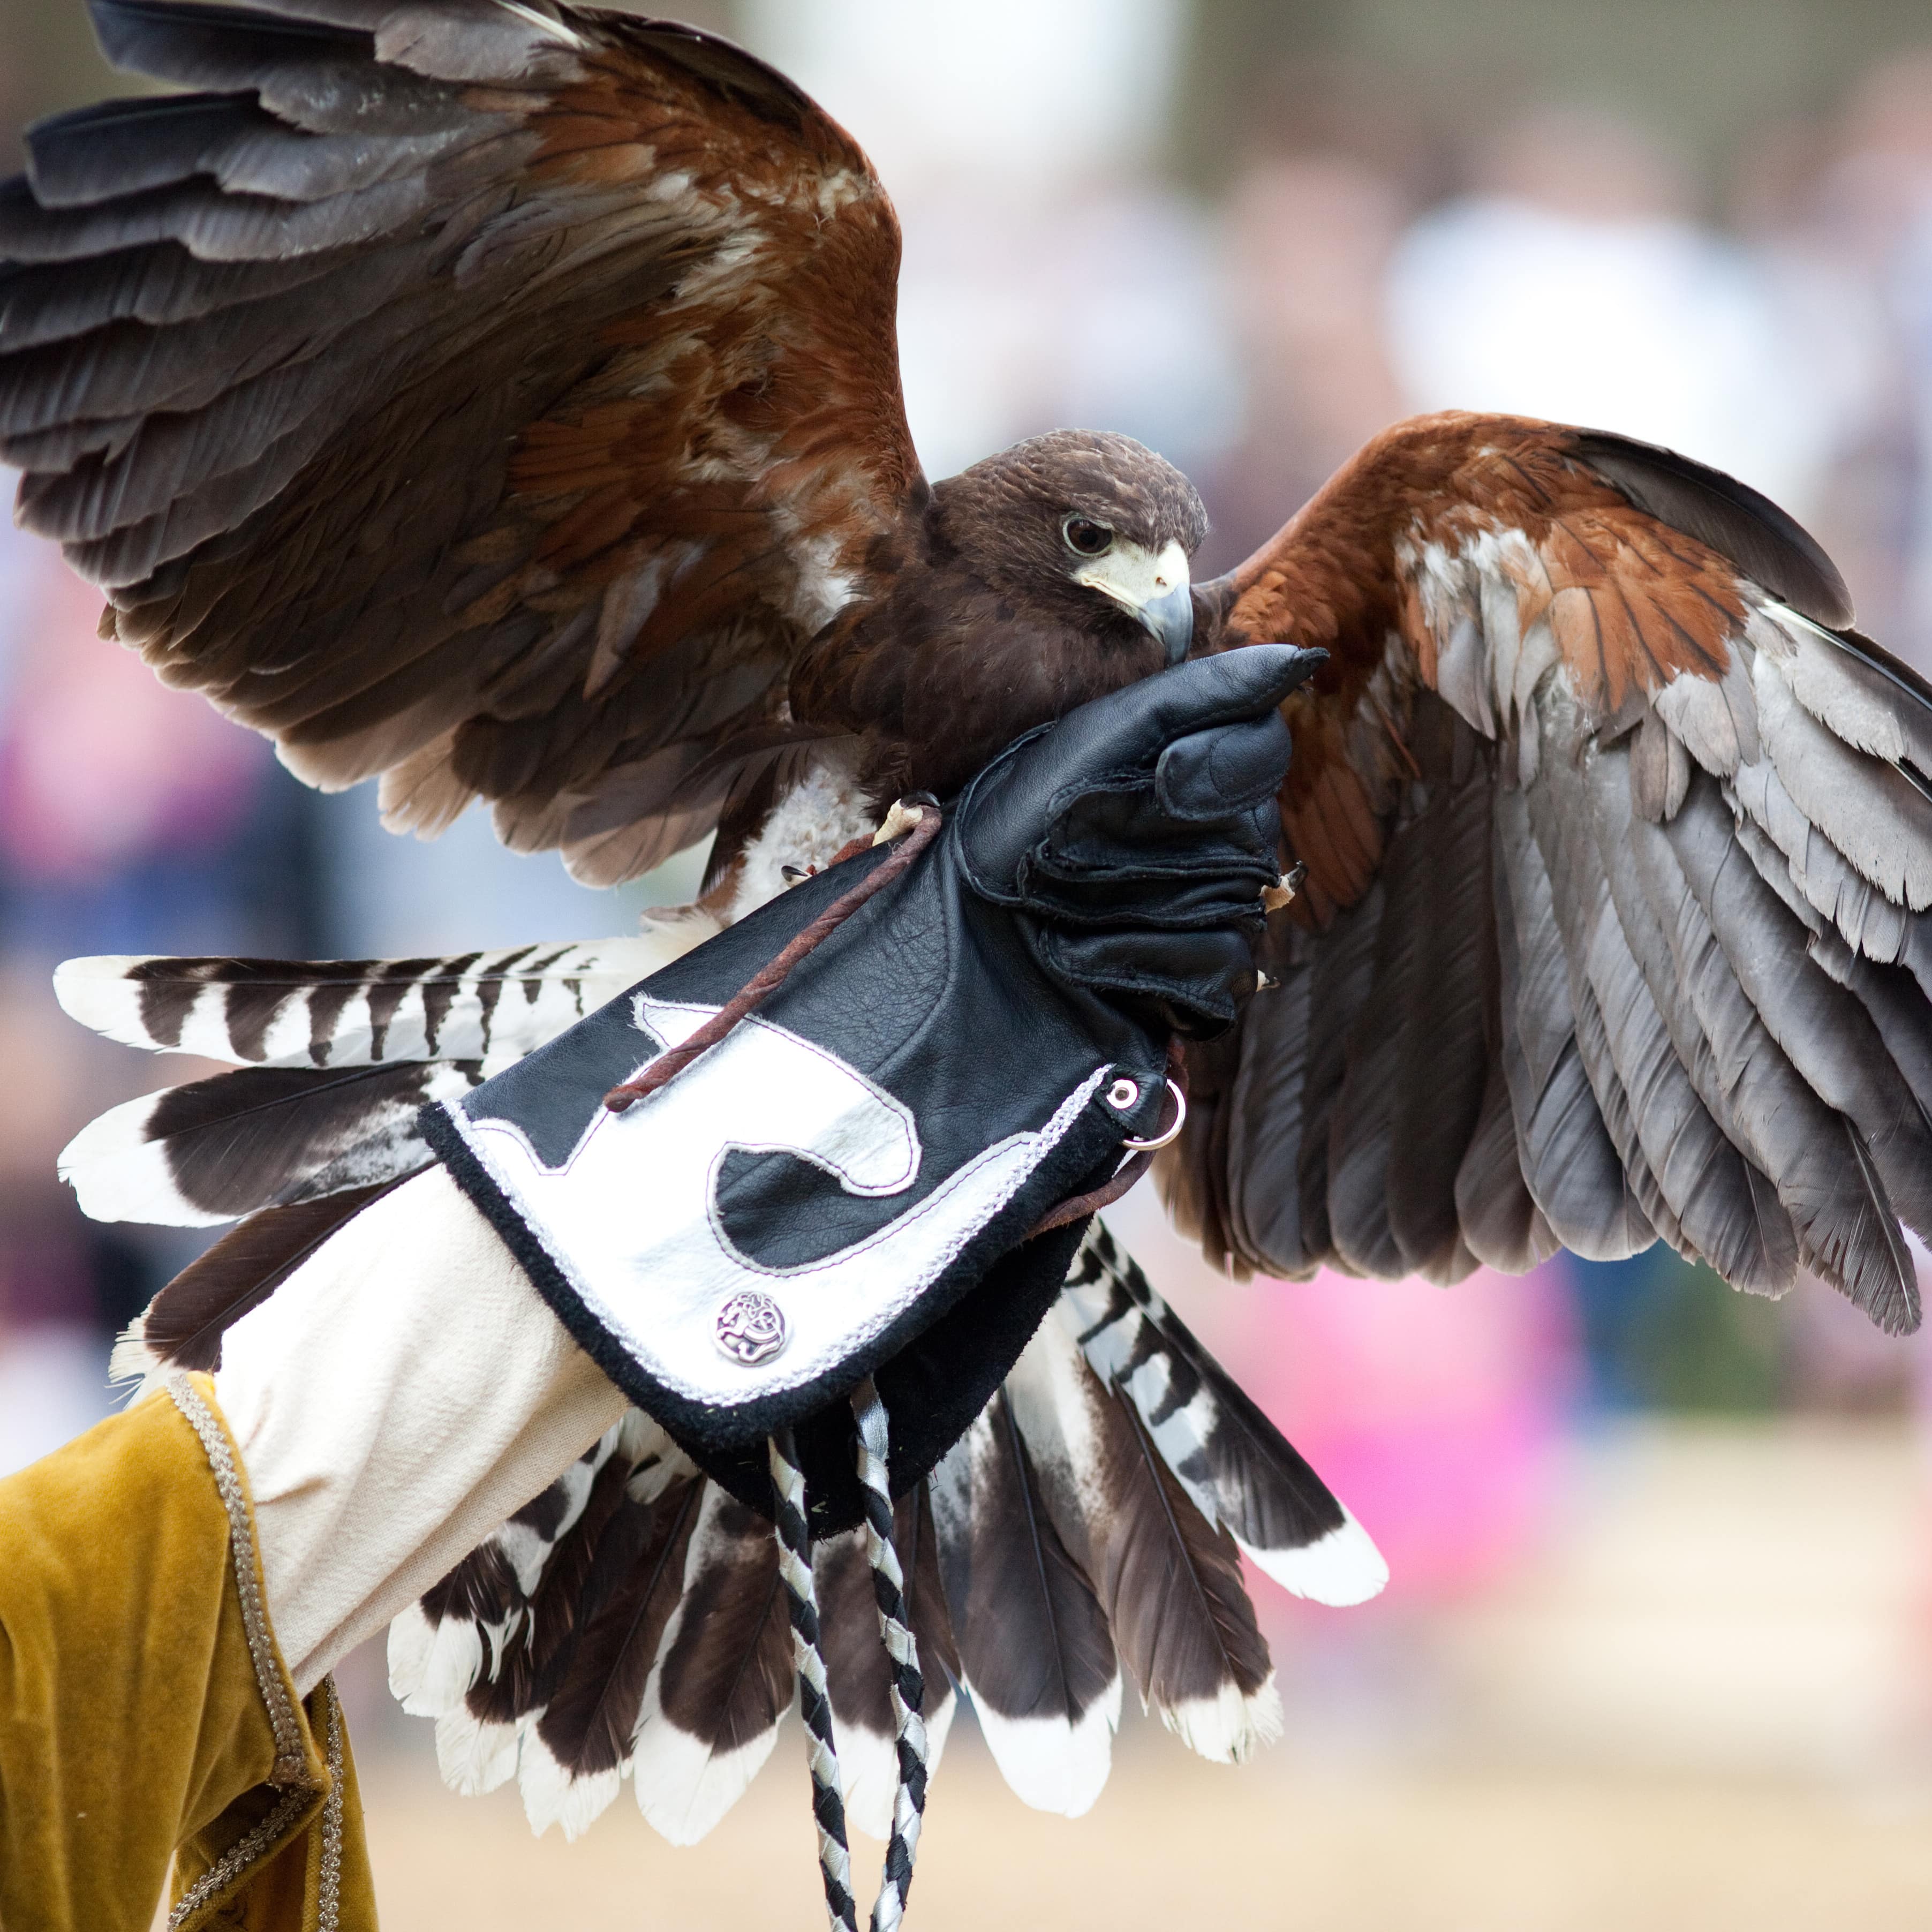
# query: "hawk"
[[500, 399]]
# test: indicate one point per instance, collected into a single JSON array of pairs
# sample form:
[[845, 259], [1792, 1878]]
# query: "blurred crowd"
[[1361, 266]]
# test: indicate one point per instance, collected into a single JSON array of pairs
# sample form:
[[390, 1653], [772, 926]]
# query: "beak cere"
[[1154, 590]]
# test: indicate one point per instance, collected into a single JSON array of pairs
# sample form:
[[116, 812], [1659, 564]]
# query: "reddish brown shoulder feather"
[[1630, 601]]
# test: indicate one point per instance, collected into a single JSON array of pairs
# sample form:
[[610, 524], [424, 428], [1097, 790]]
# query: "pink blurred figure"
[[1438, 1414], [101, 763]]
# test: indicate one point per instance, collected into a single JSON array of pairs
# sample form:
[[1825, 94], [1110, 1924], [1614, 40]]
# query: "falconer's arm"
[[176, 1585]]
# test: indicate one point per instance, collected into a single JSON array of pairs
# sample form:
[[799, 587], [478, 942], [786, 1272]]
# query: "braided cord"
[[908, 1686], [828, 1799], [922, 827]]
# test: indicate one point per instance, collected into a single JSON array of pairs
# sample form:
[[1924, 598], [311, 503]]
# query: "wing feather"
[[508, 394], [1677, 985]]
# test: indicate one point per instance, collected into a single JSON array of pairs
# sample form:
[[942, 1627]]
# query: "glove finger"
[[1127, 831], [1113, 736], [1207, 971], [1215, 774], [1128, 729]]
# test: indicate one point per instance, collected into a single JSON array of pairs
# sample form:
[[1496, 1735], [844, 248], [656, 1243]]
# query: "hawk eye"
[[1086, 536]]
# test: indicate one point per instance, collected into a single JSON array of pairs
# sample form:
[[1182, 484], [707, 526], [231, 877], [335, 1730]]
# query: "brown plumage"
[[981, 632], [503, 399], [529, 465], [524, 422], [1618, 863]]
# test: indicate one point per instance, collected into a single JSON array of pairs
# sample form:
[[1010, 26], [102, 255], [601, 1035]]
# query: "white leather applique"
[[631, 1220]]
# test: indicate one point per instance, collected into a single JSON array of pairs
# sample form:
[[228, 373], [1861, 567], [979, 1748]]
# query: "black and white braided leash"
[[828, 1796], [908, 1686]]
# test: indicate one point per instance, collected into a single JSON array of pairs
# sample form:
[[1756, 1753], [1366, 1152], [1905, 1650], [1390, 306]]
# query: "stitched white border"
[[800, 1371]]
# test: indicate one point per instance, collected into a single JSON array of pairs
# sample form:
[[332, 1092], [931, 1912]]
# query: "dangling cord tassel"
[[828, 1798], [908, 1687]]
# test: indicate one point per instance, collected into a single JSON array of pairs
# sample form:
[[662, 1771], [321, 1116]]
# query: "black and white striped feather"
[[1167, 1579], [1239, 1471], [489, 1007], [334, 1059]]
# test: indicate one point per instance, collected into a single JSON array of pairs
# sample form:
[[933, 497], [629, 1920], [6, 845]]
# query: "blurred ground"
[[1191, 1845], [1703, 1705]]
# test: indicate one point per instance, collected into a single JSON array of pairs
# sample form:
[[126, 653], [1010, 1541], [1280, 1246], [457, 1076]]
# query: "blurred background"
[[1657, 1648]]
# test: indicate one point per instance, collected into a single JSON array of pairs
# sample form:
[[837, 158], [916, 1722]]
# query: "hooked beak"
[[1154, 590], [1171, 618]]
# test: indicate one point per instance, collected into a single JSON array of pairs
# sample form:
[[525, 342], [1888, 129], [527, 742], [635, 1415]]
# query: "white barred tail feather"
[[1240, 1470], [494, 1007], [333, 1058]]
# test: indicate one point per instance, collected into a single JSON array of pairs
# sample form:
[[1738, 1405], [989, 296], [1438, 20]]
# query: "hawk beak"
[[1154, 590], [1170, 616]]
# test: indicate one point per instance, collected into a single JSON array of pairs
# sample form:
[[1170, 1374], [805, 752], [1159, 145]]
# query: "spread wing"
[[487, 394], [1619, 857]]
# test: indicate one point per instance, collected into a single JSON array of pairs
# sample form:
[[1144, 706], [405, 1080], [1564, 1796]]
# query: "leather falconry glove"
[[845, 1184]]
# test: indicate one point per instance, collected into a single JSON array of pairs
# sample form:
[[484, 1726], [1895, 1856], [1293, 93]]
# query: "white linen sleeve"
[[402, 1393]]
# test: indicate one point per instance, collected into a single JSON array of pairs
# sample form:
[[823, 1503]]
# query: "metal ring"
[[1173, 1133]]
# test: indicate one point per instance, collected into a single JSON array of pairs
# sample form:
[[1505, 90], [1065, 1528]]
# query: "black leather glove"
[[846, 1185], [1134, 837]]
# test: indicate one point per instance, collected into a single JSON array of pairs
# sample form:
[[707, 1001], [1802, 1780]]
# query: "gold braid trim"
[[291, 1760], [291, 1766]]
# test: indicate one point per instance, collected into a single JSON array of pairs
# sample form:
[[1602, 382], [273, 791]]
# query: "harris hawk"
[[500, 399]]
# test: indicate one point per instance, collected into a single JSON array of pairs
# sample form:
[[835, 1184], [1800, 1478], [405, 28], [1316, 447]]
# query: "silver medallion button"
[[750, 1328]]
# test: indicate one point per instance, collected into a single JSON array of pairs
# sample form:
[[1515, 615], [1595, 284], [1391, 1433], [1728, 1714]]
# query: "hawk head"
[[1085, 528]]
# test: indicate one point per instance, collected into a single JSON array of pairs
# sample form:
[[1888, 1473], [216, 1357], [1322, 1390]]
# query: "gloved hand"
[[1135, 837], [844, 1187]]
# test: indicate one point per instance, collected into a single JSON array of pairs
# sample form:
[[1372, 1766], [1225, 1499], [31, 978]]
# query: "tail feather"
[[448, 1639], [531, 1653], [210, 1151], [1035, 1651], [724, 1679], [632, 1618], [184, 1324], [1181, 1612], [1237, 1468], [457, 1636], [492, 1007], [1169, 1581], [580, 1745]]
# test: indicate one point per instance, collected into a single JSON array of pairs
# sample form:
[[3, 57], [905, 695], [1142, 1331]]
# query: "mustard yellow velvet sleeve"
[[146, 1715]]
